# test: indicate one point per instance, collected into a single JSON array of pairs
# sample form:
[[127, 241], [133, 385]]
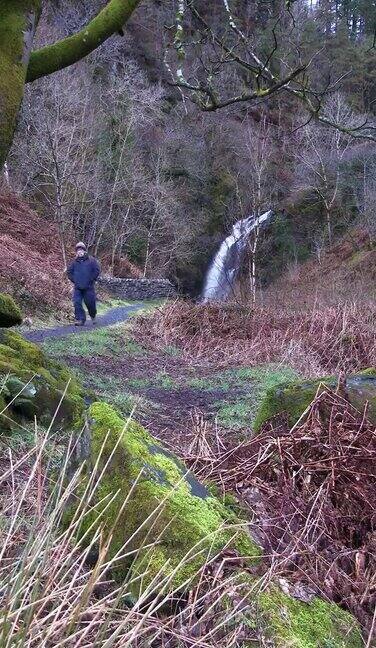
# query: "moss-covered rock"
[[293, 398], [147, 503], [287, 622], [166, 507], [32, 385], [10, 314]]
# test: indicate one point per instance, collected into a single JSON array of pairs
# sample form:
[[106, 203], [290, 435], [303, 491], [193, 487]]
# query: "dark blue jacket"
[[83, 272]]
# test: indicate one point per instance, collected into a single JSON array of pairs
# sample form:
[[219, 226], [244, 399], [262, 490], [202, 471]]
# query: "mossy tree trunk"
[[18, 21]]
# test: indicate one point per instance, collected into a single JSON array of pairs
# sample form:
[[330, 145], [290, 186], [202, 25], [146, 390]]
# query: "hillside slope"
[[346, 272], [31, 264]]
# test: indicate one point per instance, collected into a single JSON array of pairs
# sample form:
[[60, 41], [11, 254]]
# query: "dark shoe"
[[93, 321], [79, 323]]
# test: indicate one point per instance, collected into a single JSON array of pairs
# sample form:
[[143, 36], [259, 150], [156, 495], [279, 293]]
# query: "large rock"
[[144, 498], [10, 314], [166, 505], [33, 386], [285, 622], [294, 397]]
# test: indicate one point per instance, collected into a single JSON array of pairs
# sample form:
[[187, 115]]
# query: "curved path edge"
[[112, 316]]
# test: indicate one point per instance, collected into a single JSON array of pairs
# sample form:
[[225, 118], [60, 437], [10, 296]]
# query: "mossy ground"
[[294, 397], [293, 624]]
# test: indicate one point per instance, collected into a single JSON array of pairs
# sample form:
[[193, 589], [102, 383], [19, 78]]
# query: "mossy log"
[[60, 55]]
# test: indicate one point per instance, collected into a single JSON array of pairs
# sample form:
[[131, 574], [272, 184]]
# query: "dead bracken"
[[312, 491]]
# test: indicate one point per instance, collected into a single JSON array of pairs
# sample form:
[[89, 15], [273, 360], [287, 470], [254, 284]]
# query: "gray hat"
[[80, 245]]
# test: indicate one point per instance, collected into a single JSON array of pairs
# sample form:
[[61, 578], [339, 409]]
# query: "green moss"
[[55, 57], [17, 24], [293, 398], [292, 623], [167, 507], [371, 371], [34, 385], [13, 345], [10, 314]]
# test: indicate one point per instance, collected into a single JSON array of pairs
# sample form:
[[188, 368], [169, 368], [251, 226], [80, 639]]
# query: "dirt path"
[[173, 396], [112, 316]]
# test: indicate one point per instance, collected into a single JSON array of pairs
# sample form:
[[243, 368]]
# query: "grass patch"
[[139, 383], [101, 341], [104, 306], [164, 380], [114, 390], [110, 341], [172, 350], [252, 383], [132, 347]]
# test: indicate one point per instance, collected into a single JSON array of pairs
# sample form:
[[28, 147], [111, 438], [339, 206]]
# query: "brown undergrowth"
[[313, 489], [31, 262], [324, 339]]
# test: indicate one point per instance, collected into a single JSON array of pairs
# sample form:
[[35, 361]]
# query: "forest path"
[[112, 316], [127, 363]]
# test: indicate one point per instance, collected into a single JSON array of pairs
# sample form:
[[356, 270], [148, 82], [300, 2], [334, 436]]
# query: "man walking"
[[83, 273]]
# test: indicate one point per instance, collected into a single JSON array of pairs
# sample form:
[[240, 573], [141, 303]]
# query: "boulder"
[[284, 621], [294, 397], [166, 506], [33, 386], [10, 314], [164, 525]]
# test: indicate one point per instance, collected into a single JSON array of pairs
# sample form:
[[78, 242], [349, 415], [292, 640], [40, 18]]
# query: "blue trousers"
[[87, 296]]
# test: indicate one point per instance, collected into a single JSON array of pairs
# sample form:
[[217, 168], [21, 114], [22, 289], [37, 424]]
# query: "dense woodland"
[[122, 155]]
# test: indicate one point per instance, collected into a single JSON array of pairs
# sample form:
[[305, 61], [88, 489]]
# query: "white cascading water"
[[226, 263]]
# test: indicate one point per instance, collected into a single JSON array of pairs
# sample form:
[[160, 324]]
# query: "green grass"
[[132, 347], [241, 378], [164, 380], [253, 383], [104, 307], [139, 383], [172, 350], [114, 390], [110, 341], [101, 341]]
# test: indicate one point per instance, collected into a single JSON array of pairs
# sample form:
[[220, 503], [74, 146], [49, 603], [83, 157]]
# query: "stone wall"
[[137, 288]]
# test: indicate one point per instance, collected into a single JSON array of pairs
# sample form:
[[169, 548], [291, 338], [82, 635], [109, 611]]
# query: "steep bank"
[[31, 263]]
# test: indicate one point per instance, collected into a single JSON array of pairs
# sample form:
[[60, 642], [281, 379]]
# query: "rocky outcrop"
[[170, 519], [34, 386], [163, 526], [10, 314], [138, 289], [294, 397]]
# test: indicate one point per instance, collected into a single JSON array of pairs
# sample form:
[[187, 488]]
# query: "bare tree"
[[55, 162], [203, 52], [320, 153]]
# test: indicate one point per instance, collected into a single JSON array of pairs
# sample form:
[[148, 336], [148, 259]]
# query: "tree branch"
[[60, 55]]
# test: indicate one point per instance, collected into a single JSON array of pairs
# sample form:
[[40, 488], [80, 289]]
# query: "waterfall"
[[225, 266]]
